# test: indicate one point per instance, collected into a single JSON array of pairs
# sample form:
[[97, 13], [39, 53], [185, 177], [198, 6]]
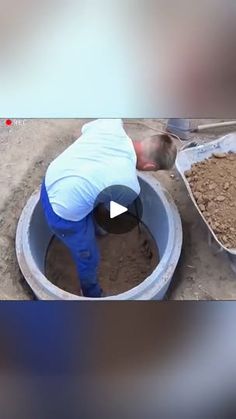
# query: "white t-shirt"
[[103, 156]]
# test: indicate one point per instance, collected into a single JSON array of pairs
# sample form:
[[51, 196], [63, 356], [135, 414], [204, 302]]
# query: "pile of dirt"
[[213, 183], [126, 260]]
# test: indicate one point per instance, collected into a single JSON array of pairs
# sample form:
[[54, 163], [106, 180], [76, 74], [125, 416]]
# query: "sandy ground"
[[125, 259], [26, 149]]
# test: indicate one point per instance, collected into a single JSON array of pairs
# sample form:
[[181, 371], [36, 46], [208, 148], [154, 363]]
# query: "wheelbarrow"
[[191, 154]]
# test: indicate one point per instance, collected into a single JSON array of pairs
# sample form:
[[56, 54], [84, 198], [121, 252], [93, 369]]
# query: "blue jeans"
[[79, 237]]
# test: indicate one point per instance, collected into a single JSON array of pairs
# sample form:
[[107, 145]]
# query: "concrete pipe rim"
[[146, 290]]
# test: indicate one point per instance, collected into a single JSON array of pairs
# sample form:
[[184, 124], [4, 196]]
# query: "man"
[[102, 157]]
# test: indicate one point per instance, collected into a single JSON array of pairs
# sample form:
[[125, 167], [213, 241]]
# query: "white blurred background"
[[129, 58]]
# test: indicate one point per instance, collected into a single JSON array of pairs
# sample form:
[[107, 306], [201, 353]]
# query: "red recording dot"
[[8, 122]]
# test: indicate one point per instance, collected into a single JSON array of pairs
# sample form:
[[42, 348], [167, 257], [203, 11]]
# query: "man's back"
[[103, 156]]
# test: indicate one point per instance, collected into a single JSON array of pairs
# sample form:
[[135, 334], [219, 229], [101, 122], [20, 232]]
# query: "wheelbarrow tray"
[[187, 157]]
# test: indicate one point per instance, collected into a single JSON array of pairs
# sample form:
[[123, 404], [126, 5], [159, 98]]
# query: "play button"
[[118, 209]]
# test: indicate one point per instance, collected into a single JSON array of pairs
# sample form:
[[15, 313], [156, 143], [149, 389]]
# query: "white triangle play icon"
[[116, 209]]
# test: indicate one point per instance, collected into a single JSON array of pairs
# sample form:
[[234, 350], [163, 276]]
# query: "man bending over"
[[103, 156]]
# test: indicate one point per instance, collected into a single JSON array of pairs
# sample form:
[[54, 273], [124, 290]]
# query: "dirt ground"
[[26, 149], [213, 183], [126, 259]]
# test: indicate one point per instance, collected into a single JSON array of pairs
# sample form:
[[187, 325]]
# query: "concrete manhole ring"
[[160, 216]]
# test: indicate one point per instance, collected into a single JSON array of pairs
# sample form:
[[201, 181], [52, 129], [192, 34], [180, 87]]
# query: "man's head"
[[157, 152]]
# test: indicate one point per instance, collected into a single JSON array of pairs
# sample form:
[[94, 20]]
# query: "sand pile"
[[126, 260], [213, 183]]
